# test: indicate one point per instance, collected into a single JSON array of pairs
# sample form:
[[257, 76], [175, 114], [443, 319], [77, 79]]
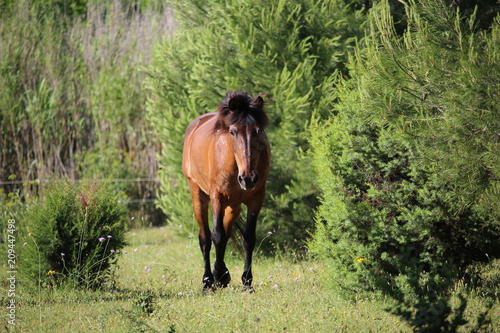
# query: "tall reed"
[[71, 102]]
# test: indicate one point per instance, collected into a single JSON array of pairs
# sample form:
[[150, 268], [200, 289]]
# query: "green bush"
[[288, 49], [73, 235], [409, 162]]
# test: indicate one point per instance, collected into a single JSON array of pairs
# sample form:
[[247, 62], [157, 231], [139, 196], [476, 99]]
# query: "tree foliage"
[[287, 49], [409, 161]]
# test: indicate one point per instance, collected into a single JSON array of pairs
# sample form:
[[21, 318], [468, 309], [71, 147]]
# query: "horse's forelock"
[[240, 109]]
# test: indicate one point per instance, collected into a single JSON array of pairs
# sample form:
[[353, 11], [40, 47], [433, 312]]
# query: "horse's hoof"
[[222, 280], [208, 290], [208, 284], [248, 289]]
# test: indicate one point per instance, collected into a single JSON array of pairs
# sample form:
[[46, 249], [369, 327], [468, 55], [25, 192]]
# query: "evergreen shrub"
[[73, 235], [409, 162]]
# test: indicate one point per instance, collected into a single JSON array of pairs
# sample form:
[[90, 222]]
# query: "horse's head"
[[244, 120]]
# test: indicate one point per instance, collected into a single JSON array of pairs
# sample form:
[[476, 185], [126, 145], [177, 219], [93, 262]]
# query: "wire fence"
[[46, 181], [118, 180]]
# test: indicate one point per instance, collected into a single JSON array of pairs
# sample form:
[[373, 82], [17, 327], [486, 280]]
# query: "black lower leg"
[[248, 247], [205, 246], [221, 273]]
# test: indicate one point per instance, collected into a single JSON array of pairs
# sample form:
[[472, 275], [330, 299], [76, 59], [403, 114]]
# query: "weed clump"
[[73, 235]]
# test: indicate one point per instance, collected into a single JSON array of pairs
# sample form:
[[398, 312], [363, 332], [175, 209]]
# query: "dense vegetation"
[[409, 161], [71, 102], [384, 128]]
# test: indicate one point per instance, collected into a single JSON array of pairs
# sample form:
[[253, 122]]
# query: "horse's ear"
[[258, 102]]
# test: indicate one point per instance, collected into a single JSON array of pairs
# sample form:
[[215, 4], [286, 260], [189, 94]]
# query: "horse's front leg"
[[249, 240], [219, 237]]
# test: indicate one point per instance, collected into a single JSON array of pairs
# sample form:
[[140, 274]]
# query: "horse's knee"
[[204, 240], [219, 237]]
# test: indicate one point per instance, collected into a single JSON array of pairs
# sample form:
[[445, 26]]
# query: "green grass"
[[158, 289]]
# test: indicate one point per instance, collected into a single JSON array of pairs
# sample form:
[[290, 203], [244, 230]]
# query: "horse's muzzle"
[[248, 182]]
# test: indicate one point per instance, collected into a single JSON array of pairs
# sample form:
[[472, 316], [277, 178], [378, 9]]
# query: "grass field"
[[158, 289]]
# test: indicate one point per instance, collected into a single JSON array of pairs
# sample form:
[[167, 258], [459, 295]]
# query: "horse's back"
[[197, 123]]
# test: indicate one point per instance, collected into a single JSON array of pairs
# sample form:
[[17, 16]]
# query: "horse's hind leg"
[[200, 207]]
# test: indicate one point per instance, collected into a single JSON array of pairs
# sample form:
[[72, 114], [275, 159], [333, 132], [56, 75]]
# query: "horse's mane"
[[239, 108]]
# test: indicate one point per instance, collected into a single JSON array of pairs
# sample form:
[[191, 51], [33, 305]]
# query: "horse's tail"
[[237, 234]]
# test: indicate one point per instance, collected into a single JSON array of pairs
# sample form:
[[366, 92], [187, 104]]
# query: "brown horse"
[[226, 161]]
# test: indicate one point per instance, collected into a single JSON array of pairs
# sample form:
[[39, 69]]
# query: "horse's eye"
[[233, 132]]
